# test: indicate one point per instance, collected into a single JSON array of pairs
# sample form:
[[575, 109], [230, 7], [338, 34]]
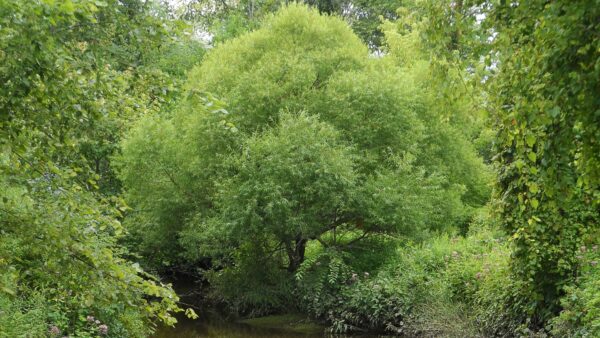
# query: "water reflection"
[[210, 325]]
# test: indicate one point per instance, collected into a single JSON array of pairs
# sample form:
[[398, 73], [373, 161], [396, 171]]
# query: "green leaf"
[[530, 139], [534, 203], [534, 188]]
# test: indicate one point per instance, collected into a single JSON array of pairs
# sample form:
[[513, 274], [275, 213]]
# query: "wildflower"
[[54, 330], [583, 248], [595, 248], [103, 329], [97, 322], [454, 254], [594, 263], [90, 319], [478, 275], [366, 275], [354, 277]]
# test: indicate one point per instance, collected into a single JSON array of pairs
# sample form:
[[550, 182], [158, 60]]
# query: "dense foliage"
[[548, 130], [318, 143], [228, 19], [331, 158], [74, 74]]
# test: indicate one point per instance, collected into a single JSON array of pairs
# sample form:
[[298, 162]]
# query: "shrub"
[[447, 285], [580, 316]]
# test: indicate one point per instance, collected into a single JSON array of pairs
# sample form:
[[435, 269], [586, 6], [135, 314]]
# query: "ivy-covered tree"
[[546, 103]]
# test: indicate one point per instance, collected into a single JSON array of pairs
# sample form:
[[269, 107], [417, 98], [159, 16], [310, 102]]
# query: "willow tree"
[[317, 142]]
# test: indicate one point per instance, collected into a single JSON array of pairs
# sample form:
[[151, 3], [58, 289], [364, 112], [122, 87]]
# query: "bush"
[[580, 316], [447, 285], [59, 264], [20, 316]]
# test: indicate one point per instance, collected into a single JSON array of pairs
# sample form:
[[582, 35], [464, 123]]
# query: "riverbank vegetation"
[[420, 168]]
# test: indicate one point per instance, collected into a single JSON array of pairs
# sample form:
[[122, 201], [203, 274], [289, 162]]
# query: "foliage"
[[533, 67], [73, 78], [580, 316], [344, 167], [546, 114], [21, 315], [67, 230], [254, 286], [318, 143], [444, 39], [228, 19], [426, 289]]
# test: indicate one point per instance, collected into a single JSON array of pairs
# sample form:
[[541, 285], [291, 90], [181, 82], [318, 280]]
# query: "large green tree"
[[317, 142]]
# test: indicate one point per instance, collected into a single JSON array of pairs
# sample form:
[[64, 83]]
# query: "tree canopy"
[[305, 146]]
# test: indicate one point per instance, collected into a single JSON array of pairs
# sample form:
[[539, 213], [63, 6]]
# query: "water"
[[211, 323], [213, 326]]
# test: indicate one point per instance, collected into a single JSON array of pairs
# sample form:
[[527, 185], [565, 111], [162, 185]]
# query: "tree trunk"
[[296, 253]]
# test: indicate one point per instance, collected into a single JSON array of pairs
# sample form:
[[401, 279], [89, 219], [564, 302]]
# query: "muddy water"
[[213, 326]]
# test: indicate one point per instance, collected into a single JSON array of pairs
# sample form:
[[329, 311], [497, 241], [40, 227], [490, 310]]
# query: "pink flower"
[[103, 329], [54, 330], [90, 319]]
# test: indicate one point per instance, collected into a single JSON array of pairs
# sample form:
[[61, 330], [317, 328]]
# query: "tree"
[[546, 113], [73, 77], [318, 142], [532, 68], [227, 19], [292, 183]]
